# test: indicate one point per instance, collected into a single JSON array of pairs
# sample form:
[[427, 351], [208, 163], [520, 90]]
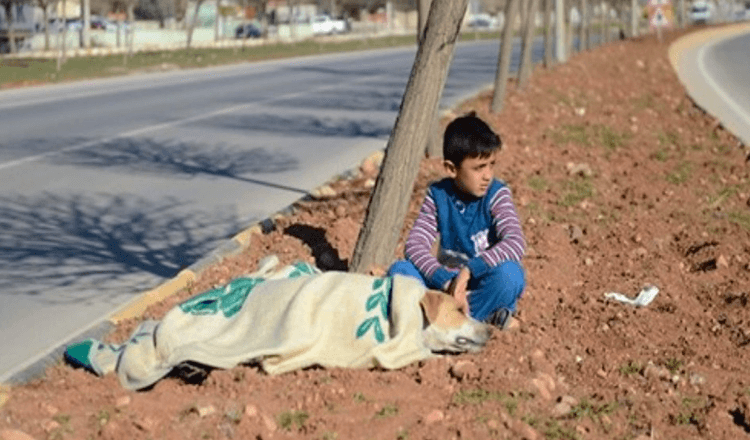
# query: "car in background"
[[700, 12], [482, 21], [325, 25], [247, 30]]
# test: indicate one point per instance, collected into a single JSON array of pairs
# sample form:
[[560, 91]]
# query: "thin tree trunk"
[[506, 52], [217, 19], [605, 23], [191, 24], [45, 17], [633, 18], [11, 18], [131, 31], [64, 32], [392, 193], [582, 26], [120, 25], [527, 45], [547, 23], [561, 32]]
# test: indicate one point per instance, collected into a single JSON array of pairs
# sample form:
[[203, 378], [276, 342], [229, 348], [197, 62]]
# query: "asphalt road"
[[109, 187]]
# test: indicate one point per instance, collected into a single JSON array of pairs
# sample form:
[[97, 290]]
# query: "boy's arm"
[[418, 247], [512, 244]]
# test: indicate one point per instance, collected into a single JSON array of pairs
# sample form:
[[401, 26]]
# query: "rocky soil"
[[620, 182]]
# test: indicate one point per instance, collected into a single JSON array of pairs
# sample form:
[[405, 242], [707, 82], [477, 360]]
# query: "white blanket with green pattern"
[[294, 318]]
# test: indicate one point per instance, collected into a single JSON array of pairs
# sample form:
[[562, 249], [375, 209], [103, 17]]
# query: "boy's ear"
[[450, 167]]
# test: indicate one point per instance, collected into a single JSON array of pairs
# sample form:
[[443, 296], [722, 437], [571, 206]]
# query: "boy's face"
[[474, 174]]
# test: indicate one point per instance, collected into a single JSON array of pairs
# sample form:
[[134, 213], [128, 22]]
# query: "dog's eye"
[[462, 341]]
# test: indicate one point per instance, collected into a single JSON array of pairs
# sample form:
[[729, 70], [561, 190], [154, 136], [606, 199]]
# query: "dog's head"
[[447, 328]]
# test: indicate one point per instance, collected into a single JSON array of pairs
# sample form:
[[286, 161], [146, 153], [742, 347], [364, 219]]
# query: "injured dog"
[[294, 318]]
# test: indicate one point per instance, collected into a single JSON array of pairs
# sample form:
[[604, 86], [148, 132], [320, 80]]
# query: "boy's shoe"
[[500, 318]]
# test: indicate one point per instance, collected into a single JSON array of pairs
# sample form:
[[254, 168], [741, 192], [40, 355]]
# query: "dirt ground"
[[620, 182]]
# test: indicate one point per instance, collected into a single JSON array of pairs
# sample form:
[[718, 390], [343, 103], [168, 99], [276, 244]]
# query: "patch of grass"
[[388, 410], [475, 397], [554, 430], [575, 191], [644, 101], [538, 183], [661, 155], [574, 133], [531, 420], [630, 368], [680, 174], [292, 419], [723, 194], [610, 139], [592, 411], [329, 435], [102, 417], [740, 218], [402, 435], [668, 138], [673, 365], [359, 397]]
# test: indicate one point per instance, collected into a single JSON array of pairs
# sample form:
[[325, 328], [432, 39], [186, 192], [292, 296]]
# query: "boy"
[[481, 242]]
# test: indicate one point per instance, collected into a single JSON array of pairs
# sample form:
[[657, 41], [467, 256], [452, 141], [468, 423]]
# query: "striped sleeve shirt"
[[465, 235]]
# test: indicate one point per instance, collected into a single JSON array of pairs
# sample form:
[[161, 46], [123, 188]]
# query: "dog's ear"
[[430, 303]]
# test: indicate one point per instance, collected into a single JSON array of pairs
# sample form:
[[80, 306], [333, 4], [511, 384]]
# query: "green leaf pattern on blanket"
[[379, 297], [230, 298]]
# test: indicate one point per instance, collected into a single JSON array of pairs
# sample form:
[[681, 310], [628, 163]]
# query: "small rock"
[[251, 411], [49, 409], [324, 191], [371, 165], [50, 425], [542, 389], [640, 64], [697, 379], [122, 401], [601, 373], [561, 409], [434, 417], [524, 432], [493, 424], [570, 400], [580, 111], [581, 169], [204, 411], [13, 434], [145, 424], [369, 183], [656, 372], [588, 261], [269, 423], [575, 233], [340, 211], [465, 370], [721, 262]]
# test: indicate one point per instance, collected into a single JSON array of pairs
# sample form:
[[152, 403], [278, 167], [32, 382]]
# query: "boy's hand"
[[458, 286]]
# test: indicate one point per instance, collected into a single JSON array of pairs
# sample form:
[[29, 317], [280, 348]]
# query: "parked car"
[[247, 30], [700, 12], [482, 21], [325, 25]]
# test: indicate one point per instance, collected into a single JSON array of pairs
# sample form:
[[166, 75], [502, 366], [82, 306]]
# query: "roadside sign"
[[660, 14]]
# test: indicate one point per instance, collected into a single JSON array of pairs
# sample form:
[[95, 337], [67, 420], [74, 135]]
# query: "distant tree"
[[191, 24], [45, 6], [548, 39], [9, 7], [390, 198], [582, 23], [506, 51], [527, 43]]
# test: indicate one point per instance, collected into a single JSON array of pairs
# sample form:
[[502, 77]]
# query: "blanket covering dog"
[[294, 318]]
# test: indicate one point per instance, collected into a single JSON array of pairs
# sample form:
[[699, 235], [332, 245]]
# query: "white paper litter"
[[644, 298]]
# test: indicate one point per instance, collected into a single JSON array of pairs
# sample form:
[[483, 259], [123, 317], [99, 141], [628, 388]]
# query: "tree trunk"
[[86, 24], [605, 23], [10, 15], [506, 53], [423, 9], [527, 45], [131, 31], [582, 26], [45, 17], [561, 34], [547, 23], [191, 24], [64, 33], [217, 21], [634, 18], [388, 205]]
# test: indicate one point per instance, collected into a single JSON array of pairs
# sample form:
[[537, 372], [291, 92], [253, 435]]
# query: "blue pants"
[[501, 287]]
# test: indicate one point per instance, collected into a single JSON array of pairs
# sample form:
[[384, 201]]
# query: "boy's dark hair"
[[469, 136]]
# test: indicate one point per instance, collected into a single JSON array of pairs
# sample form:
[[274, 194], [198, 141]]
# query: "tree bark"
[[506, 52], [634, 18], [582, 26], [191, 25], [423, 9], [605, 23], [10, 15], [547, 23], [527, 45], [217, 18], [390, 198], [64, 33], [86, 24], [45, 17], [561, 34]]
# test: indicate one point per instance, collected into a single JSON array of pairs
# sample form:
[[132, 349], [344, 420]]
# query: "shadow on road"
[[181, 159], [52, 242], [301, 125]]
